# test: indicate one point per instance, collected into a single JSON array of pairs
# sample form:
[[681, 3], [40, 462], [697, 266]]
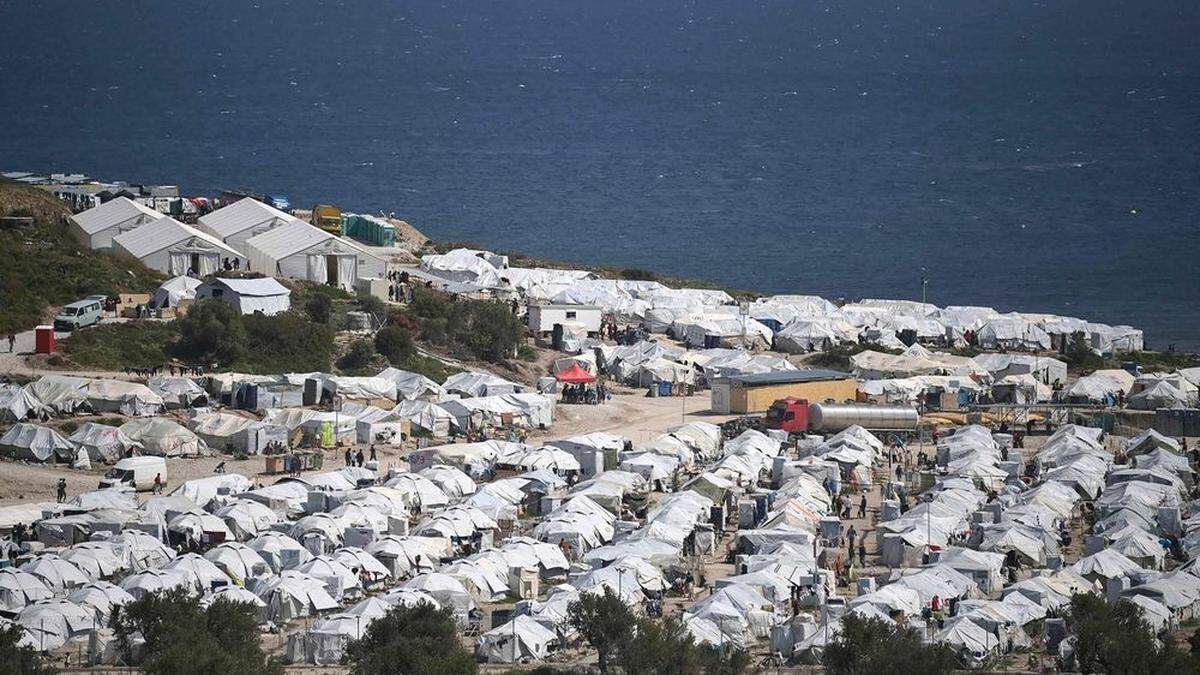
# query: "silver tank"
[[835, 417]]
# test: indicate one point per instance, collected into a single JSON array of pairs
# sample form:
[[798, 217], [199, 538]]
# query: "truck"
[[798, 416], [327, 217]]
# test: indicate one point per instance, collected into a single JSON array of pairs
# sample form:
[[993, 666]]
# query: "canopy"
[[575, 375]]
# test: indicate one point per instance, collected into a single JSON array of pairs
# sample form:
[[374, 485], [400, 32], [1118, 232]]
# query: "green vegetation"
[[359, 359], [16, 659], [869, 646], [467, 328], [416, 640], [838, 356], [183, 638], [319, 307], [643, 646], [44, 266], [213, 333], [1080, 358], [1154, 362], [116, 346], [1114, 638], [395, 343], [635, 274]]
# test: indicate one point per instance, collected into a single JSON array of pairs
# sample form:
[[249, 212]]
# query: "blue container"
[[664, 388]]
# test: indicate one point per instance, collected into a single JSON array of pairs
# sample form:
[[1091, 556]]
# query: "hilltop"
[[44, 267]]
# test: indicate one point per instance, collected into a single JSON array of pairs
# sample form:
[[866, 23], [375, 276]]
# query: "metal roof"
[[113, 213], [282, 241], [163, 233], [790, 377], [261, 288], [240, 216]]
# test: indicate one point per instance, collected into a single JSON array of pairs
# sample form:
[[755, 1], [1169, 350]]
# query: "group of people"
[[399, 287], [358, 458], [174, 369]]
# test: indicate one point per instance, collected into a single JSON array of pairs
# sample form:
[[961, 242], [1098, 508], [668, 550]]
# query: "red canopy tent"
[[575, 375]]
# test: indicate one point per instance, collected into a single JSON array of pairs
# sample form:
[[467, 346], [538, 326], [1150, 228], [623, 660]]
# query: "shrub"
[[17, 659], [410, 640], [635, 274], [184, 638], [604, 622], [319, 306], [371, 305], [212, 332], [1114, 638], [395, 343], [868, 646], [116, 346], [358, 357]]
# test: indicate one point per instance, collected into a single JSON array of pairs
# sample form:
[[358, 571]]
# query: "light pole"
[[924, 284]]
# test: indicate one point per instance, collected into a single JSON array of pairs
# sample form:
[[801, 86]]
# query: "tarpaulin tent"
[[161, 436], [103, 443], [40, 444]]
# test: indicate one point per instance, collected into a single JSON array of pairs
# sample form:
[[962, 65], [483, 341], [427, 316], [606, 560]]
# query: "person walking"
[[862, 506], [12, 342], [361, 458], [349, 457], [852, 537], [372, 452], [62, 490], [158, 485]]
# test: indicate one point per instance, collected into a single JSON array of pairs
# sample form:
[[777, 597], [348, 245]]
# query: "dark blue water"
[[1034, 156]]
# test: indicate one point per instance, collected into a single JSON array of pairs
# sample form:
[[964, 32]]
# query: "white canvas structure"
[[35, 443], [412, 386], [103, 443], [298, 250], [171, 247], [178, 392], [128, 398], [479, 268], [96, 227], [266, 295], [1158, 395], [242, 220], [18, 404], [521, 638], [63, 394], [161, 436], [173, 291]]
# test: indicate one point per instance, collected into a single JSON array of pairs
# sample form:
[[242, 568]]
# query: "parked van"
[[79, 314], [136, 472]]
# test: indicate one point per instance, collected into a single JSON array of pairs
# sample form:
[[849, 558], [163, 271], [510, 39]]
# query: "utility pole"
[[924, 284]]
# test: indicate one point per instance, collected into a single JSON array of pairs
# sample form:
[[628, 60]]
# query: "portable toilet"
[[44, 340]]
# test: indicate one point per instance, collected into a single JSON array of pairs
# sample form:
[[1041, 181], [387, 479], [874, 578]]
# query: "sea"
[[1033, 156]]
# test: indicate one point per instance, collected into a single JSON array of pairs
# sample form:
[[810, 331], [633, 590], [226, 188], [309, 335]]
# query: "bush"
[[635, 274], [319, 306], [286, 342], [371, 305], [526, 353], [869, 646], [1079, 355], [212, 332], [358, 357], [16, 659], [395, 343], [604, 622], [183, 638], [410, 640], [1114, 638], [487, 330], [116, 346]]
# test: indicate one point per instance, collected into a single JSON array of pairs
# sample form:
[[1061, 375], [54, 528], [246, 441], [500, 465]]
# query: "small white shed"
[[96, 227], [169, 246], [264, 295], [298, 250], [576, 318]]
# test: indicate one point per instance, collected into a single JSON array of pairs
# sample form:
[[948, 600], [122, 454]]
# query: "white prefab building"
[[249, 295], [576, 318], [298, 250], [169, 246], [96, 227], [241, 220]]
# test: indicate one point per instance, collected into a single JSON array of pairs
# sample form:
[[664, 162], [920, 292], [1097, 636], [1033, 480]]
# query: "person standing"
[[862, 553], [349, 457], [12, 342], [158, 484], [862, 506], [372, 452], [62, 490], [361, 458]]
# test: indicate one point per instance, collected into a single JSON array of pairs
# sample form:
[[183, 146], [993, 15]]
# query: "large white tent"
[[250, 296], [96, 227], [171, 247], [298, 250], [243, 220]]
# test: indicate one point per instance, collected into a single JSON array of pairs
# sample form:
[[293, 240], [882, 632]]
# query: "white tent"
[[39, 444], [96, 227], [19, 588], [178, 392], [128, 398], [1158, 395], [173, 291], [412, 386], [171, 247], [238, 222], [17, 404], [521, 638], [161, 436], [63, 394], [298, 250], [250, 296]]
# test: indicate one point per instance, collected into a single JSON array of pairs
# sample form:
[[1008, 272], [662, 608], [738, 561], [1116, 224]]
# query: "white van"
[[136, 472]]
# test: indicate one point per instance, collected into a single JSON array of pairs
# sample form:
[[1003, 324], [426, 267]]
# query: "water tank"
[[832, 417]]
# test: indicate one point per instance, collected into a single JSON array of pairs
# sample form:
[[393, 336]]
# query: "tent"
[[1158, 395], [297, 250], [249, 296], [174, 290], [127, 398], [96, 227], [238, 222], [17, 404], [178, 392], [19, 588], [63, 394], [39, 444], [171, 247], [521, 638], [161, 436], [574, 375], [412, 386]]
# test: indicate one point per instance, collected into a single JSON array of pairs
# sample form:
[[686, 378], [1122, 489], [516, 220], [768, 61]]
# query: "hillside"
[[45, 267]]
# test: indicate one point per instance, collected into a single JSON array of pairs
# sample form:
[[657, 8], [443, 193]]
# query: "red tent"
[[575, 375]]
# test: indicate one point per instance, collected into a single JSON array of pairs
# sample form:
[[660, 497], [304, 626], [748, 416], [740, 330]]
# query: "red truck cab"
[[789, 414]]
